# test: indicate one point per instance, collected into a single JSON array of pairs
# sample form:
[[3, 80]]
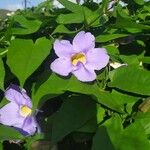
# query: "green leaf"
[[62, 29], [130, 136], [91, 16], [131, 79], [44, 5], [89, 127], [25, 26], [55, 85], [144, 120], [4, 102], [98, 94], [100, 113], [146, 8], [109, 37], [146, 60], [102, 140], [72, 115], [123, 98], [70, 18], [2, 74], [104, 6], [71, 6], [1, 145], [94, 18], [52, 87], [130, 59], [127, 23], [125, 139], [47, 126], [140, 2], [92, 125], [28, 56], [109, 100], [9, 133], [112, 49]]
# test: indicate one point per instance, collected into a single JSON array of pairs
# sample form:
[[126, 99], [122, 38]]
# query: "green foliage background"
[[111, 113]]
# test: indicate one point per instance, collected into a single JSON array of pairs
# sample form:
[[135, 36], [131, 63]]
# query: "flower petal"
[[97, 58], [61, 66], [30, 125], [83, 41], [14, 94], [9, 115], [84, 74], [27, 100], [63, 48]]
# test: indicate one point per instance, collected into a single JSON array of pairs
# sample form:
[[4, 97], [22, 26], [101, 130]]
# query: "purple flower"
[[18, 113], [80, 58]]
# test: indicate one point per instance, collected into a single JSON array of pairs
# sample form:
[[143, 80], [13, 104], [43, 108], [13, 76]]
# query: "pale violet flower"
[[18, 112], [80, 58]]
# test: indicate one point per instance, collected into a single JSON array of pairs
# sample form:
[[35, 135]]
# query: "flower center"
[[25, 111], [79, 57]]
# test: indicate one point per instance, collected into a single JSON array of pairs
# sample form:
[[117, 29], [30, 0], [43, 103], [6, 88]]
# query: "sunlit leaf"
[[70, 18], [62, 29], [55, 85], [140, 2], [106, 137], [28, 56], [132, 79], [126, 22], [109, 37], [24, 25], [71, 6]]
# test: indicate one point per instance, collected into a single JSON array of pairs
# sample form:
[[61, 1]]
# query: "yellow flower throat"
[[25, 111], [79, 57]]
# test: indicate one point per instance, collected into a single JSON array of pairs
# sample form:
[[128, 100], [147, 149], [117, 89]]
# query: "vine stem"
[[4, 52]]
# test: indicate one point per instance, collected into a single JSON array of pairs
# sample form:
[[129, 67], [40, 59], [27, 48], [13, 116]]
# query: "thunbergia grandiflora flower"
[[18, 112], [80, 58]]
